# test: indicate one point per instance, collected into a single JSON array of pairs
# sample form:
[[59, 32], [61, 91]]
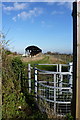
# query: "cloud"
[[34, 12], [31, 13], [67, 4], [14, 19], [24, 15], [57, 12], [16, 6]]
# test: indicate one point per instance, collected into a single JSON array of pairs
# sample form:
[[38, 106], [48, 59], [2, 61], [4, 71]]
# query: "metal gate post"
[[29, 77], [57, 67], [60, 67], [54, 94], [70, 76], [36, 84], [61, 78]]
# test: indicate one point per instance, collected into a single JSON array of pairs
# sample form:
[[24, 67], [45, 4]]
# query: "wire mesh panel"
[[57, 92]]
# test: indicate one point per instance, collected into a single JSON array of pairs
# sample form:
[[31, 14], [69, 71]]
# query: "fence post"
[[57, 68], [57, 75], [60, 67], [70, 83], [54, 94], [29, 77], [61, 78], [70, 76], [36, 83], [78, 64]]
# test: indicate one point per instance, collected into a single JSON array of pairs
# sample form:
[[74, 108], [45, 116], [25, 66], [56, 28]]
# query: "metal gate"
[[53, 89]]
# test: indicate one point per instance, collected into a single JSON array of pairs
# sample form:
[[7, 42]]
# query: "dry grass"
[[40, 58], [34, 58]]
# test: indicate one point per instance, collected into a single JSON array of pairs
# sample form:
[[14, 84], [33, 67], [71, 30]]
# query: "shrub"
[[69, 117], [8, 52], [11, 89], [16, 65]]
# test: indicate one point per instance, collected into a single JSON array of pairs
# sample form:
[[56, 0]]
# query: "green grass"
[[42, 61], [47, 60], [47, 67]]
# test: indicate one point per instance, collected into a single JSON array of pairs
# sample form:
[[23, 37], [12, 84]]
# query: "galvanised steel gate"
[[53, 89]]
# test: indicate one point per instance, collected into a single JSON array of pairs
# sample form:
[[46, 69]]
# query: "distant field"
[[49, 59]]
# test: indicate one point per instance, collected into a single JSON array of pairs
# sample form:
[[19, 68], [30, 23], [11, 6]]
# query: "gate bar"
[[29, 77]]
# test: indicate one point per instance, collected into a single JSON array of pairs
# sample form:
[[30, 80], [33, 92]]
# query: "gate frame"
[[36, 82]]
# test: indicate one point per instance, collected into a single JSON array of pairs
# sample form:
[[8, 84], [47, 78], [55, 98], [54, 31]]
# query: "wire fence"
[[53, 89]]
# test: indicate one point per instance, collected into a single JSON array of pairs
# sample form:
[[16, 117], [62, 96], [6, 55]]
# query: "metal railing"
[[53, 88]]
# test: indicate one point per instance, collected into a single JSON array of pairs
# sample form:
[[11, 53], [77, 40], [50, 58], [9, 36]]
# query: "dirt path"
[[43, 59], [28, 59]]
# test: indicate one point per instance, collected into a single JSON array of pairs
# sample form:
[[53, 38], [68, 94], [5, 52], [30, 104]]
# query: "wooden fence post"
[[78, 63], [36, 83], [29, 77]]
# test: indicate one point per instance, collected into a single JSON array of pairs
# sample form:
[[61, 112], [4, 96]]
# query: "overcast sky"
[[48, 25]]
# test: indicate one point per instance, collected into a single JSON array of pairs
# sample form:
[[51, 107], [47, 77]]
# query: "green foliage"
[[16, 65], [8, 52], [11, 107], [69, 117], [17, 103], [12, 95]]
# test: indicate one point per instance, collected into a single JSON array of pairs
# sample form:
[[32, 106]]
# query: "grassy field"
[[47, 59]]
